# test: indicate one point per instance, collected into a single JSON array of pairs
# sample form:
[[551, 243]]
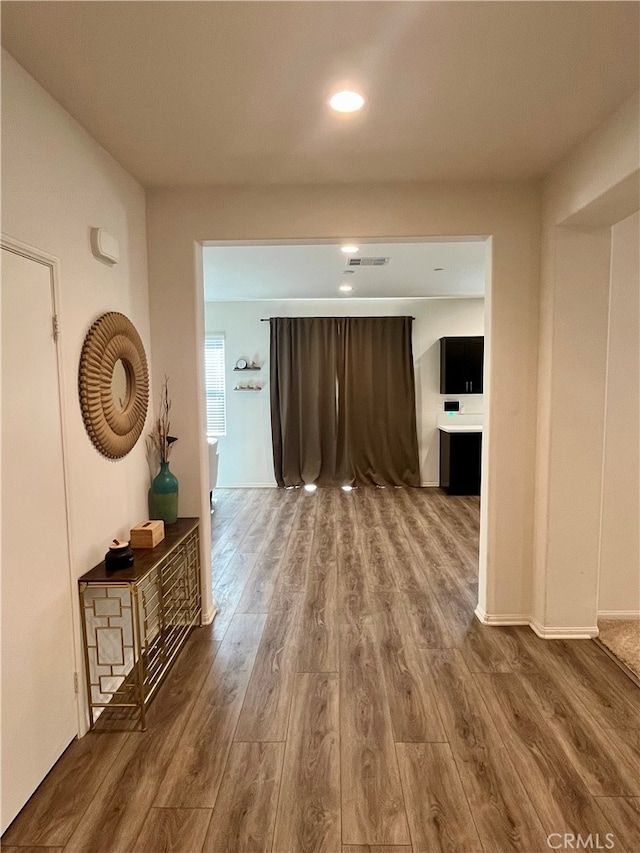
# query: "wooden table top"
[[144, 559]]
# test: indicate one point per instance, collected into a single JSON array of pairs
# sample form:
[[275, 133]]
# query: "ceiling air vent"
[[367, 262]]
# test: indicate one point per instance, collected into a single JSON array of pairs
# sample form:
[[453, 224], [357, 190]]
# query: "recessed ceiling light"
[[349, 250], [346, 101], [345, 288]]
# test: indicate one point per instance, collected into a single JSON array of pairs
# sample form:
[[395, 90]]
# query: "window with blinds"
[[214, 380]]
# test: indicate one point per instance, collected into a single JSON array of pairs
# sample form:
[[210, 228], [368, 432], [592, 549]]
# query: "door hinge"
[[56, 327], [76, 686]]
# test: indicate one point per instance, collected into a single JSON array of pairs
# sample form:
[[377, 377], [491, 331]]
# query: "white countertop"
[[460, 422], [460, 428]]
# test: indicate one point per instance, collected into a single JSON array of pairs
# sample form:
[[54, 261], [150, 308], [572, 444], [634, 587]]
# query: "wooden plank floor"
[[347, 700]]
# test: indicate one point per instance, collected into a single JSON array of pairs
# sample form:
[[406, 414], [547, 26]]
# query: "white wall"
[[620, 539], [57, 183], [594, 187], [245, 452]]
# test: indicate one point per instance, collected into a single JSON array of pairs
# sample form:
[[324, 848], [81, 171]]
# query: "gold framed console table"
[[135, 620]]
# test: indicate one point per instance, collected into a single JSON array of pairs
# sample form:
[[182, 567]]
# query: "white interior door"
[[39, 716]]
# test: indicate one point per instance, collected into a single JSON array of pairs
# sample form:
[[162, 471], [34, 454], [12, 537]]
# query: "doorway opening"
[[440, 282], [618, 581]]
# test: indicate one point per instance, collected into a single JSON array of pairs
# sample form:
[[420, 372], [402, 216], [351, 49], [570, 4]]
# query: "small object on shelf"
[[119, 555], [249, 386], [242, 361], [147, 534]]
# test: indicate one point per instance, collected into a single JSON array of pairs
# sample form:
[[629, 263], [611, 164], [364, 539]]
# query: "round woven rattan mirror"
[[113, 415]]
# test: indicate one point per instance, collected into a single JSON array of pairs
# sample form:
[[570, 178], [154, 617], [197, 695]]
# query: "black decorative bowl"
[[119, 556]]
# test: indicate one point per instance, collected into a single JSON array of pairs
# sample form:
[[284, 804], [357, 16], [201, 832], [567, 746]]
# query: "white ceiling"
[[197, 93], [238, 273]]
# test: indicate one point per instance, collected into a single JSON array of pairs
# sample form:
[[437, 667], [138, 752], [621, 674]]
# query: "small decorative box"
[[147, 534]]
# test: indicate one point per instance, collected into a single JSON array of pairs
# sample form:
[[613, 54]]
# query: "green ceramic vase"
[[164, 495]]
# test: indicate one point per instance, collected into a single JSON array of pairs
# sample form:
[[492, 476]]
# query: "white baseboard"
[[207, 618], [429, 485], [552, 633], [618, 614], [544, 631], [246, 486], [502, 619]]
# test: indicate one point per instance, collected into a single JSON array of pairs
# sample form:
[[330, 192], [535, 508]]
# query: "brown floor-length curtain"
[[305, 363], [379, 401], [343, 401]]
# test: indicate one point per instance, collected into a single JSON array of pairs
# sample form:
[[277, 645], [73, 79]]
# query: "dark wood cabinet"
[[460, 462], [461, 361]]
